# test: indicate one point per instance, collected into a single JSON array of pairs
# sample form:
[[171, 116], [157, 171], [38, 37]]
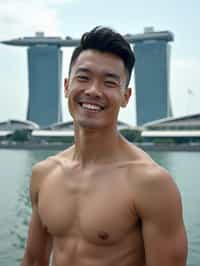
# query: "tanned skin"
[[103, 201]]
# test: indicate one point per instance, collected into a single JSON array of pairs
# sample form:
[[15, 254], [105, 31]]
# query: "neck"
[[96, 145]]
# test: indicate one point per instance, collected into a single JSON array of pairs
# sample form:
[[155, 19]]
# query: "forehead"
[[101, 62]]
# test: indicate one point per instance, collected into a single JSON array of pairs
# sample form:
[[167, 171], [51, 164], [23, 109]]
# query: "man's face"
[[96, 89]]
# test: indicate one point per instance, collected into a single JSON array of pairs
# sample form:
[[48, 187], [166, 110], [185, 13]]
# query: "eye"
[[111, 83], [82, 78]]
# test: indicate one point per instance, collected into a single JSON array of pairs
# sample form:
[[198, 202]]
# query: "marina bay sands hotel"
[[152, 51]]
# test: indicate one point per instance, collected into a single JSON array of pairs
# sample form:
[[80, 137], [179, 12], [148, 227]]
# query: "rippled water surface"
[[15, 209]]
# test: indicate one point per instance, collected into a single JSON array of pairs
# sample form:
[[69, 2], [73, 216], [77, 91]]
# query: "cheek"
[[70, 100], [73, 95], [115, 97], [72, 92], [75, 90]]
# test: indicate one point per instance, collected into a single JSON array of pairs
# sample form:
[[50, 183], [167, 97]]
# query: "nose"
[[93, 90]]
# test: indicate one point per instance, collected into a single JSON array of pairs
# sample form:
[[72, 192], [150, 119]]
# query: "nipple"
[[103, 235]]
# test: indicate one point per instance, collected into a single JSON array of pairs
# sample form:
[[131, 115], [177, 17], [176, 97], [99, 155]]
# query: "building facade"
[[183, 129], [44, 76], [45, 67], [44, 70], [152, 78]]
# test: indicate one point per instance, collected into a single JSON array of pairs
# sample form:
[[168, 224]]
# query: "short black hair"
[[105, 39]]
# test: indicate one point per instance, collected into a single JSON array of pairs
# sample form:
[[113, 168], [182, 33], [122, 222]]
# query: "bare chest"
[[100, 210]]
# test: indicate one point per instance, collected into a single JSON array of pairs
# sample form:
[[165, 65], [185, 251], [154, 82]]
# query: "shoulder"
[[133, 153], [153, 185], [45, 168], [145, 168], [40, 171], [157, 191]]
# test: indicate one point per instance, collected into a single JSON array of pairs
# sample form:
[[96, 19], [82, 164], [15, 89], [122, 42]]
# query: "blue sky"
[[73, 17]]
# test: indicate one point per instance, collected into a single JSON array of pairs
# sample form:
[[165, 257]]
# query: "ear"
[[126, 96], [66, 85]]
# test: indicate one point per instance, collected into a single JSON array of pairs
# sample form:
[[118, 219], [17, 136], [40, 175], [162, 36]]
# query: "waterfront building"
[[16, 124], [181, 129], [152, 76], [44, 72], [44, 76], [8, 127], [45, 68], [64, 132]]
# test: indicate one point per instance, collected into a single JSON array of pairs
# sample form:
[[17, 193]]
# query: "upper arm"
[[162, 222], [38, 245]]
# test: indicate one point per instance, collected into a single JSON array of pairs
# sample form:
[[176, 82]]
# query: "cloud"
[[19, 18], [25, 17], [57, 2]]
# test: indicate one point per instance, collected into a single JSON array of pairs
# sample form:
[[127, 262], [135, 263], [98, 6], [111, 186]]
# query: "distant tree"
[[164, 140], [20, 135], [132, 135]]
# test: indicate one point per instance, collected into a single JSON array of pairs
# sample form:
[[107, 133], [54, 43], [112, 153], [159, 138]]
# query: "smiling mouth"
[[91, 107]]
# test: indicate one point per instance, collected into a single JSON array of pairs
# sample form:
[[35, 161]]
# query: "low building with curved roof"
[[180, 129], [64, 132], [186, 122], [15, 124], [69, 125]]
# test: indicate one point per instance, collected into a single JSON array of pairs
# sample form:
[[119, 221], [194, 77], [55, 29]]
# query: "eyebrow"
[[113, 75], [82, 69], [106, 74]]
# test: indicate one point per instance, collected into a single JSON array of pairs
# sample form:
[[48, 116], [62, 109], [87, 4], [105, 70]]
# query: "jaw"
[[89, 118]]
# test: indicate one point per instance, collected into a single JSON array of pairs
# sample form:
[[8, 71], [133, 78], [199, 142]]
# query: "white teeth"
[[91, 106]]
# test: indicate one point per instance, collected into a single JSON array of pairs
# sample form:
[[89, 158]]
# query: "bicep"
[[162, 224], [166, 246], [38, 245]]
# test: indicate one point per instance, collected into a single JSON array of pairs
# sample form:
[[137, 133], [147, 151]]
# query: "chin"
[[89, 124]]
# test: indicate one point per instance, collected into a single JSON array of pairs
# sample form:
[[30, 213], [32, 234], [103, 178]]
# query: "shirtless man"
[[103, 201]]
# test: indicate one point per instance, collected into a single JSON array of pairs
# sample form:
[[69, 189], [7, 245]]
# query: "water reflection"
[[15, 166], [22, 208], [22, 214]]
